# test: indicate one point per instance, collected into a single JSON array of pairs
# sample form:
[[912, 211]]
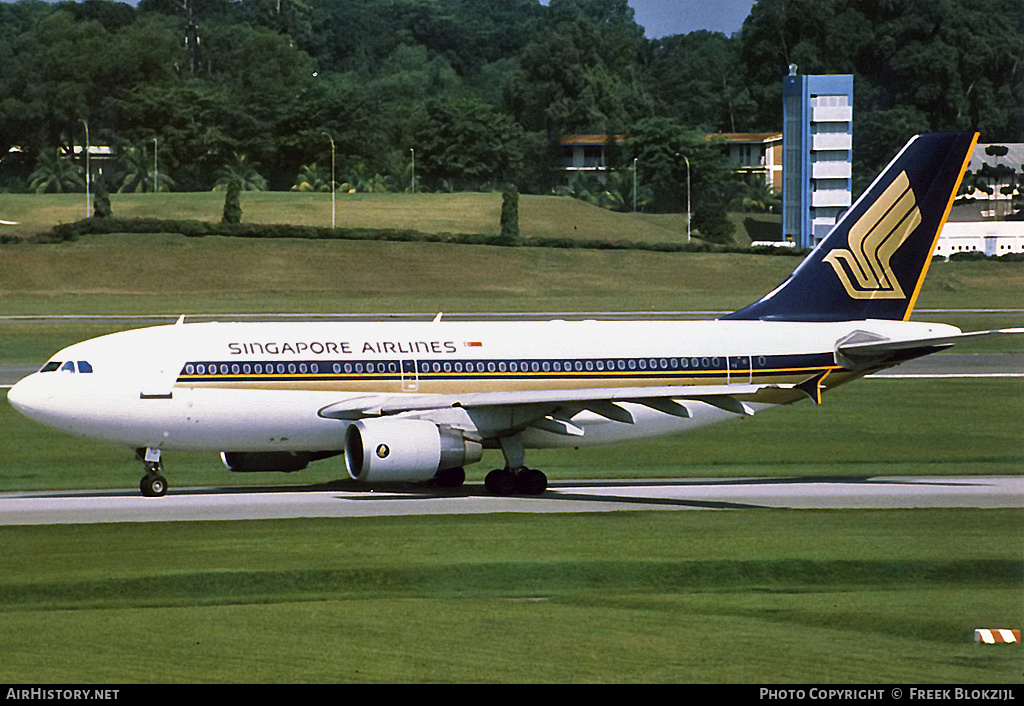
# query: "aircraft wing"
[[599, 400]]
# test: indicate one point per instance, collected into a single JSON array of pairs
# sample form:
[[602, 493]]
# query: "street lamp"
[[413, 153], [689, 215], [88, 171], [156, 169], [634, 183], [689, 212], [332, 179]]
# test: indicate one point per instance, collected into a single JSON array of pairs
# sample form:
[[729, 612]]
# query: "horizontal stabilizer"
[[872, 349]]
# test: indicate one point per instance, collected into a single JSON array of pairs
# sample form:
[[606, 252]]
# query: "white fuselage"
[[264, 386]]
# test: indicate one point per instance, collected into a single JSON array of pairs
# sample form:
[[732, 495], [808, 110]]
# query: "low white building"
[[988, 237]]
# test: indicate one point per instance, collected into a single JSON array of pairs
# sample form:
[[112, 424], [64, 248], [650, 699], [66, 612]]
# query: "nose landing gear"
[[153, 484]]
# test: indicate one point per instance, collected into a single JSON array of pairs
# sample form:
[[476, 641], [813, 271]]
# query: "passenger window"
[[84, 366], [68, 366], [50, 367]]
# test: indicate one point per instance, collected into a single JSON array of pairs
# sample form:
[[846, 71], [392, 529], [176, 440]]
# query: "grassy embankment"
[[540, 216]]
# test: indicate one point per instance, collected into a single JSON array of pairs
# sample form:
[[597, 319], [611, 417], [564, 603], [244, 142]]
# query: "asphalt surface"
[[79, 507]]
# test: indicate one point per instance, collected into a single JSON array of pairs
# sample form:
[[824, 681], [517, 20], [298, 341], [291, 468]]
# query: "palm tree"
[[138, 171], [312, 177], [242, 172], [756, 197], [56, 173], [359, 180]]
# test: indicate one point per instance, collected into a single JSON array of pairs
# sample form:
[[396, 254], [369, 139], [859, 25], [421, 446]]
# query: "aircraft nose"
[[30, 396]]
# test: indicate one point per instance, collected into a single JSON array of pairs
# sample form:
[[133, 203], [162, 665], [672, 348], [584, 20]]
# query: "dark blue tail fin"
[[872, 263]]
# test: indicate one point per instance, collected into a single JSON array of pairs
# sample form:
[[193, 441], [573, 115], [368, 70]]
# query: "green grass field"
[[688, 596], [171, 274], [758, 596]]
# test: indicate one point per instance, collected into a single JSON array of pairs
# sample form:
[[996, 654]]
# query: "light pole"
[[689, 212], [332, 179], [634, 183], [689, 215], [156, 168], [88, 171], [413, 153]]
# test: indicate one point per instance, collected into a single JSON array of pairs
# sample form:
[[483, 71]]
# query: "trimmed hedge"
[[197, 229], [66, 232]]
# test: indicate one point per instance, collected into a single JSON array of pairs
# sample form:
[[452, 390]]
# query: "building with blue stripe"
[[817, 154]]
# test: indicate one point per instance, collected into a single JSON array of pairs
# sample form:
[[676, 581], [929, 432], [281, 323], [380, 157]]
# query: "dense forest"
[[474, 93]]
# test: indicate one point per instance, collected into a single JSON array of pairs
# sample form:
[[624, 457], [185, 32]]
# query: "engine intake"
[[405, 449]]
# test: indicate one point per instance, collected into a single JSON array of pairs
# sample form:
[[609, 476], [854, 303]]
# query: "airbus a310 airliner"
[[417, 402]]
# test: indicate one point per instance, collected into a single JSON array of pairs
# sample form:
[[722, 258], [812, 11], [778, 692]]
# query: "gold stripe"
[[938, 231], [426, 386]]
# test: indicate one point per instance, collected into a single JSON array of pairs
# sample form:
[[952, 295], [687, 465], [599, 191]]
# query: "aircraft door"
[[410, 376], [739, 369]]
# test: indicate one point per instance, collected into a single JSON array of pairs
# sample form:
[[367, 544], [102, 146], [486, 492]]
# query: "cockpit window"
[[83, 366]]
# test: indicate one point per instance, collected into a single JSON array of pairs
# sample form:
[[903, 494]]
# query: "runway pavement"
[[78, 507]]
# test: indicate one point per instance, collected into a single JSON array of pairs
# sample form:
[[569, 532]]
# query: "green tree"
[[240, 172], [699, 79], [199, 126], [510, 216], [313, 177], [232, 204], [918, 65], [583, 75], [361, 180], [138, 173], [56, 173], [471, 144], [662, 148], [101, 199]]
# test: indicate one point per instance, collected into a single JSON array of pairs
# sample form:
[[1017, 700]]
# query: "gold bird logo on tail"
[[864, 269]]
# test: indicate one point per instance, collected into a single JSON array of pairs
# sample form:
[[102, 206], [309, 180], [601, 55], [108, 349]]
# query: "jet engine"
[[405, 449]]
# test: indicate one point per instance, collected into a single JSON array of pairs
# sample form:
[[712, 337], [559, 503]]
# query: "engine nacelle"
[[405, 449], [263, 461]]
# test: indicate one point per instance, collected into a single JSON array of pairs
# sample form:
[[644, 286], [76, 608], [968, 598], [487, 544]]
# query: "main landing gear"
[[515, 478], [519, 481], [153, 484]]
